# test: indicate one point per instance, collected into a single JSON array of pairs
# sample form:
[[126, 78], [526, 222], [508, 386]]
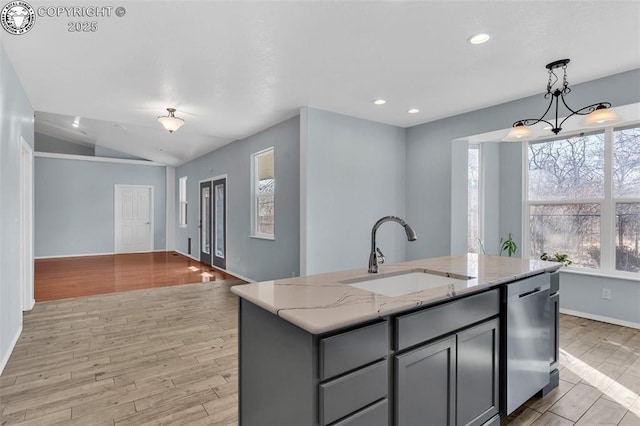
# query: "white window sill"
[[263, 237], [618, 275]]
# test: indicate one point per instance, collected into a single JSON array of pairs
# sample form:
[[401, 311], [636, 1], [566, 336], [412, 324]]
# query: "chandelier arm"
[[590, 108], [568, 107], [532, 121], [584, 110]]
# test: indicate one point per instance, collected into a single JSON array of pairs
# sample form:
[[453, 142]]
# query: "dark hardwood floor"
[[62, 278]]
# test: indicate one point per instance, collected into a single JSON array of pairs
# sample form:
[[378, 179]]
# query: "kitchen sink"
[[406, 282]]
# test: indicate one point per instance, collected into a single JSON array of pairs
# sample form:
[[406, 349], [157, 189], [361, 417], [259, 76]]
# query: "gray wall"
[[583, 293], [74, 204], [253, 258], [353, 174], [432, 158], [16, 121], [46, 143]]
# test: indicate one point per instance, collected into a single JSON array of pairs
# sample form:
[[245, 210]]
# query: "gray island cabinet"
[[314, 351]]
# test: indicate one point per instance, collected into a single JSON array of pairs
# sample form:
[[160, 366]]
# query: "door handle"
[[148, 223], [529, 293]]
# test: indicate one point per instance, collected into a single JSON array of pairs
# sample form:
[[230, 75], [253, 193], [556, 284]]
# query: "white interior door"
[[133, 218]]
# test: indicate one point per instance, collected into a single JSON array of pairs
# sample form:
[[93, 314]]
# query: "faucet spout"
[[376, 257]]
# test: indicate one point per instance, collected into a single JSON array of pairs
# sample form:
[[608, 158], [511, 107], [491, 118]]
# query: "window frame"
[[607, 205], [255, 195], [183, 213]]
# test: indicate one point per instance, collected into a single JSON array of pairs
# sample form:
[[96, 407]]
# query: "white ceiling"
[[233, 68]]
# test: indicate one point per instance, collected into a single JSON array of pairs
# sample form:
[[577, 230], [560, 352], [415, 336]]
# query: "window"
[[182, 197], [584, 199], [473, 197], [263, 212]]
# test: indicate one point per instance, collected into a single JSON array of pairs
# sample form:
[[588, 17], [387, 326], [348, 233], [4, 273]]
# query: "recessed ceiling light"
[[379, 102], [479, 38], [413, 111]]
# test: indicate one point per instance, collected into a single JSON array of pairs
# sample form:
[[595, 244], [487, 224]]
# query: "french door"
[[213, 222]]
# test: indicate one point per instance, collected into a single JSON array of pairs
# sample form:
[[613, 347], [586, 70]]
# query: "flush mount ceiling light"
[[379, 102], [170, 122], [479, 38], [413, 111], [598, 113]]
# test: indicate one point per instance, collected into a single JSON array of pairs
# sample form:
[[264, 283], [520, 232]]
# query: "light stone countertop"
[[321, 303]]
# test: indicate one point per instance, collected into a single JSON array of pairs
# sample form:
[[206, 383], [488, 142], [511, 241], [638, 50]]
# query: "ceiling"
[[234, 68]]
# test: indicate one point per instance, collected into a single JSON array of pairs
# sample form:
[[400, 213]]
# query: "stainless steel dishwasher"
[[528, 337]]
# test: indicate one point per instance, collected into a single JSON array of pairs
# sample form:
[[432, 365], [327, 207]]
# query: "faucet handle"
[[379, 257]]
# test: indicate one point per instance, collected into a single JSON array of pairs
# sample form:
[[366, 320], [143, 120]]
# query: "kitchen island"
[[421, 342]]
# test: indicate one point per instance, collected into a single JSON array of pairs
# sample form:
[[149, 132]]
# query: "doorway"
[[26, 226], [213, 222], [133, 221]]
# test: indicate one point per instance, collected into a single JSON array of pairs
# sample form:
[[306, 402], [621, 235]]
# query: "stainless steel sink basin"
[[406, 282]]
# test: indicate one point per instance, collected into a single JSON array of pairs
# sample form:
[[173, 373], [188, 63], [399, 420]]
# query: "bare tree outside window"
[[626, 187], [263, 188], [573, 229], [627, 237], [626, 163], [473, 205], [567, 169], [568, 201], [265, 207]]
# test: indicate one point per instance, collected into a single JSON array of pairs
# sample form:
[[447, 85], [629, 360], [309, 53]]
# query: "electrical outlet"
[[606, 293]]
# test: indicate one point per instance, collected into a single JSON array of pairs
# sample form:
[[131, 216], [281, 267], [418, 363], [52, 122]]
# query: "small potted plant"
[[557, 257], [508, 245]]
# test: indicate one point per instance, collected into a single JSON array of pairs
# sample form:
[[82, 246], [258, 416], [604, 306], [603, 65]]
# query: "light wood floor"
[[169, 356], [62, 278]]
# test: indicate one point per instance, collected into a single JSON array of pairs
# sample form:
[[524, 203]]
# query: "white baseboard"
[[96, 254], [600, 318], [249, 280], [32, 303], [12, 345], [187, 255], [74, 255]]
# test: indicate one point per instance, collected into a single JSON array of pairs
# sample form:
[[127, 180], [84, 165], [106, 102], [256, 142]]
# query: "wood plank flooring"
[[156, 356], [62, 278], [169, 356]]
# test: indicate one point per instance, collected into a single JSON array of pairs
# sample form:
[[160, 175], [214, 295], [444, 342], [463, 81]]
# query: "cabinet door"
[[554, 301], [426, 385], [478, 374]]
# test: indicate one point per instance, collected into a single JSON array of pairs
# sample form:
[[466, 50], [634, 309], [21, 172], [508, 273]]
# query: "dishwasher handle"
[[529, 293]]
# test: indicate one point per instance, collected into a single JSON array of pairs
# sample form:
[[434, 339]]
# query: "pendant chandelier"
[[598, 113], [170, 122]]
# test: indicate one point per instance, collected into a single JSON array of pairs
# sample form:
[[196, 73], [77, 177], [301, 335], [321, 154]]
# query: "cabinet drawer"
[[344, 395], [435, 322], [375, 415], [353, 349]]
